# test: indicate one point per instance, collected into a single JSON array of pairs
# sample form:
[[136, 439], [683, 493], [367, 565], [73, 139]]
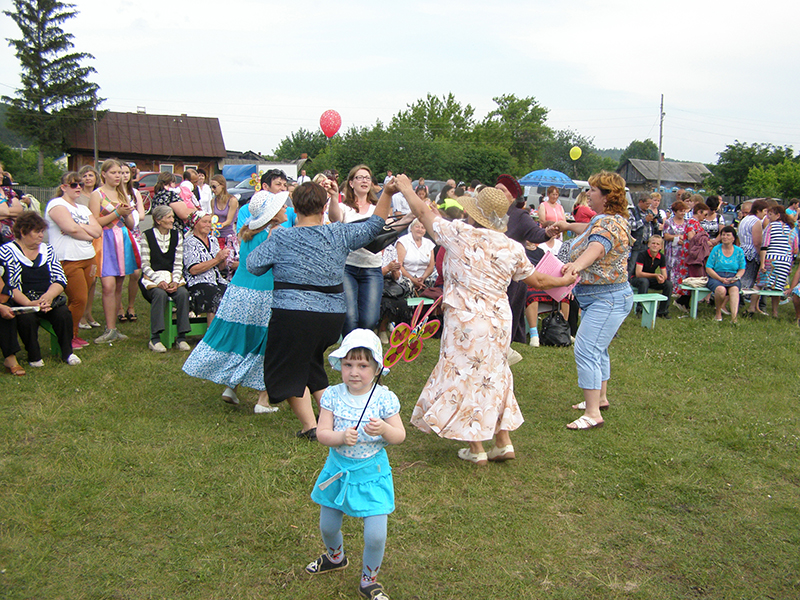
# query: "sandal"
[[582, 406], [584, 422], [498, 454], [131, 317], [373, 591], [16, 370], [479, 458], [310, 435], [324, 564], [122, 318]]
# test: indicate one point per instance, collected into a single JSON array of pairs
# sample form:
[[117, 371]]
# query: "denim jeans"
[[603, 313], [363, 288]]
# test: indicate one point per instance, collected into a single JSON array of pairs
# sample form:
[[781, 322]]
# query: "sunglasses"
[[74, 185]]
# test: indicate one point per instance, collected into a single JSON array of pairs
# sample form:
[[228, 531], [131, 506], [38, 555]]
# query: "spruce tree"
[[56, 95]]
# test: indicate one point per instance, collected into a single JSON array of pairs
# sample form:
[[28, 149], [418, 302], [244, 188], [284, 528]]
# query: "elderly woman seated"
[[162, 278], [37, 280], [201, 259]]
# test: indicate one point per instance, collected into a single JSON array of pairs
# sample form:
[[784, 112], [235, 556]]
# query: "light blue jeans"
[[602, 313], [363, 289]]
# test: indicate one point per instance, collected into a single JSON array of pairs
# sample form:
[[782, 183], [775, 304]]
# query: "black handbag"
[[555, 330], [392, 289], [387, 236]]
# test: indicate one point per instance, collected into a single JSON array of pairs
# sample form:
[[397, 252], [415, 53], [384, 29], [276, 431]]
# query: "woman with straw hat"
[[470, 394]]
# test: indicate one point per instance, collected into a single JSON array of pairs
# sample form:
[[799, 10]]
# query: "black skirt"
[[295, 353], [205, 297]]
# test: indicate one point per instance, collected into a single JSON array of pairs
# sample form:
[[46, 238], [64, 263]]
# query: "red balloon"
[[330, 121]]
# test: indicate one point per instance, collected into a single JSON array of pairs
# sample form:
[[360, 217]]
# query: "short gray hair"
[[159, 212]]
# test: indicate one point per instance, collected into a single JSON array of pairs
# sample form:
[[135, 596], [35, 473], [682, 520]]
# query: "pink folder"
[[550, 265]]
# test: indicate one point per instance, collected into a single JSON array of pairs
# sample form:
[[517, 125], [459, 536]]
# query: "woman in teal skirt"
[[232, 350]]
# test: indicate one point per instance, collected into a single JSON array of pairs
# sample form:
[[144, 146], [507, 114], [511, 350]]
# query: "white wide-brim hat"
[[264, 206], [358, 338]]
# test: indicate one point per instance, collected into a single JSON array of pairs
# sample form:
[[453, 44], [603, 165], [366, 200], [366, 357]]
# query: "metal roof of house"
[[679, 172], [153, 135]]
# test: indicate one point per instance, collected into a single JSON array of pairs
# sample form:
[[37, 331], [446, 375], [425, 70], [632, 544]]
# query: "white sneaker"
[[73, 360], [37, 363], [534, 341], [183, 346], [513, 356], [157, 347], [110, 335], [383, 337], [259, 409]]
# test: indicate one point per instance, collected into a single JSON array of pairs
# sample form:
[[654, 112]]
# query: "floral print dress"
[[469, 396], [672, 250], [681, 271]]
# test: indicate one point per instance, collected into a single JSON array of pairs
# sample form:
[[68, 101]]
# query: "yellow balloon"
[[575, 152]]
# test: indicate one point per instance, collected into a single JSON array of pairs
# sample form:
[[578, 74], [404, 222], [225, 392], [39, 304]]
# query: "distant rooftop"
[[153, 135]]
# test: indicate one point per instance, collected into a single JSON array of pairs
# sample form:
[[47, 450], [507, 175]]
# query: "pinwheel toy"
[[216, 226], [406, 340]]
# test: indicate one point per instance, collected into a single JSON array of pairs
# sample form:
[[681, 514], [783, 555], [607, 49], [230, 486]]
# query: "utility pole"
[[94, 129], [660, 139]]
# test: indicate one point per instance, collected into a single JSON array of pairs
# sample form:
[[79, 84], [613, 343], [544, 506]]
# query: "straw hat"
[[264, 206], [489, 208]]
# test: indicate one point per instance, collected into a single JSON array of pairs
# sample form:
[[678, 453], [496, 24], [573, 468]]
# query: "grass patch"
[[123, 478]]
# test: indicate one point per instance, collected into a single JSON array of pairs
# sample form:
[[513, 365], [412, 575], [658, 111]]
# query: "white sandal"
[[582, 406], [584, 422], [479, 458]]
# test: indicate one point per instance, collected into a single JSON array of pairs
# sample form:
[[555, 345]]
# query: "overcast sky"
[[728, 70]]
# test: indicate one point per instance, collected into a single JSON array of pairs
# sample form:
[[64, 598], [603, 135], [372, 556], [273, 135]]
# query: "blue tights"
[[330, 525]]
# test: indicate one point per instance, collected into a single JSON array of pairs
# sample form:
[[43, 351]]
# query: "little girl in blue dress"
[[357, 479]]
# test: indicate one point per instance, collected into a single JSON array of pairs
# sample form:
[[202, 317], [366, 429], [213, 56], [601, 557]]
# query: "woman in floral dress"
[[673, 233], [470, 394], [681, 272]]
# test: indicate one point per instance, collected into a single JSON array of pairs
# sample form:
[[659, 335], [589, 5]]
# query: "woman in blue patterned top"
[[308, 307]]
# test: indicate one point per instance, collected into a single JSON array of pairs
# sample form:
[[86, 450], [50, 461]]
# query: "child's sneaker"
[[373, 591], [324, 564]]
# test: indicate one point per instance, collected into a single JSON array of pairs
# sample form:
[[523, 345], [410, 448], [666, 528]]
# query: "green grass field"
[[123, 478]]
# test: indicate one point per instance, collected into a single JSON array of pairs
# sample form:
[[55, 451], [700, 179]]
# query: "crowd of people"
[[285, 277]]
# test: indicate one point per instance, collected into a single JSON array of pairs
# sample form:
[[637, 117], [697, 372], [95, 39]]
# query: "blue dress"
[[232, 350]]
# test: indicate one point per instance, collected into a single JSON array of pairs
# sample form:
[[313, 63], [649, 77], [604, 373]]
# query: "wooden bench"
[[779, 293], [198, 325], [55, 347], [649, 304], [414, 302], [698, 294]]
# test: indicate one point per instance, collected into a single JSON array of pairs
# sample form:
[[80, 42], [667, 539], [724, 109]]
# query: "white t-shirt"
[[417, 258], [206, 195], [359, 258], [400, 204], [67, 247]]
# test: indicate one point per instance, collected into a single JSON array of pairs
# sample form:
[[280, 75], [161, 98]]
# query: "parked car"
[[147, 181], [243, 191]]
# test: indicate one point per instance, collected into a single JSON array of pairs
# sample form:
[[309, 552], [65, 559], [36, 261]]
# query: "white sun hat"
[[358, 338]]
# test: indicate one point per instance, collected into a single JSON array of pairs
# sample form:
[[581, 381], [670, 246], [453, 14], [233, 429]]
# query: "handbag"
[[555, 330], [387, 236], [392, 289], [60, 300]]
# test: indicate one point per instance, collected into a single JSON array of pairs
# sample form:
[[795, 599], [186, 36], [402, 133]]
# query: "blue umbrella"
[[548, 177]]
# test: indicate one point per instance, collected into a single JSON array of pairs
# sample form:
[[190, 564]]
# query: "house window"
[[187, 167], [164, 168]]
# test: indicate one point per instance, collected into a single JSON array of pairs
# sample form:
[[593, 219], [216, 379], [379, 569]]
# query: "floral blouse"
[[196, 252], [613, 232]]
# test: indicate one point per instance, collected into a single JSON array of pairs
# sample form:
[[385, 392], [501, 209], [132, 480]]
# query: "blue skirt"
[[359, 487]]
